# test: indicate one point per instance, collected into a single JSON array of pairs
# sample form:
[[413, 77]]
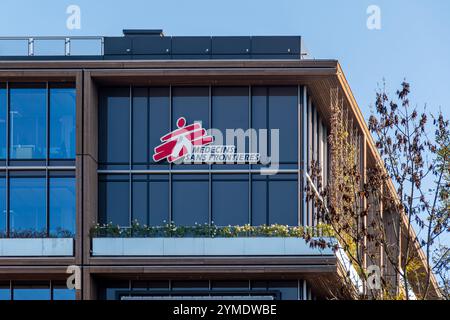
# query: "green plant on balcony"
[[170, 230]]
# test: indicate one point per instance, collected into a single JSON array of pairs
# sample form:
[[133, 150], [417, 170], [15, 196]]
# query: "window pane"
[[159, 200], [28, 202], [114, 126], [62, 123], [2, 122], [151, 121], [140, 126], [159, 116], [283, 200], [2, 207], [61, 292], [230, 199], [275, 199], [230, 109], [190, 199], [259, 200], [28, 123], [190, 285], [283, 115], [62, 206], [151, 199], [276, 108], [108, 290], [230, 285], [31, 292], [191, 103], [288, 289], [5, 293], [114, 200]]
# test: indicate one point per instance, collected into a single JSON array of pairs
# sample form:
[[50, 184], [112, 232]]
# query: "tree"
[[376, 211]]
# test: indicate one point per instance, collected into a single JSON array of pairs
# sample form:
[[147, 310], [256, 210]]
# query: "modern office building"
[[85, 132]]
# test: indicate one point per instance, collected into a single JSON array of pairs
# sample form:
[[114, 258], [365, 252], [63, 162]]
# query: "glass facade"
[[277, 290], [37, 159], [35, 290], [27, 125], [133, 187]]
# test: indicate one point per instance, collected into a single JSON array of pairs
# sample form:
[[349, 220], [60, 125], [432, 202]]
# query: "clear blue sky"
[[414, 40]]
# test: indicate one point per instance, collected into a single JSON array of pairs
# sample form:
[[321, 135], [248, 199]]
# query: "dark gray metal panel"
[[117, 57], [191, 45], [276, 45], [151, 45], [230, 56], [191, 56], [140, 32], [276, 56], [117, 45], [231, 45], [151, 57]]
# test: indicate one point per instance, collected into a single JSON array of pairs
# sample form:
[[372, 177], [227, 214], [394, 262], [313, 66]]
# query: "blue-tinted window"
[[62, 206], [159, 103], [114, 197], [191, 103], [275, 199], [151, 121], [277, 108], [5, 292], [190, 203], [114, 126], [230, 285], [2, 206], [151, 199], [283, 200], [28, 205], [288, 289], [140, 128], [31, 291], [27, 113], [61, 292], [259, 200], [230, 199], [230, 109], [283, 115], [2, 122], [190, 285], [62, 123]]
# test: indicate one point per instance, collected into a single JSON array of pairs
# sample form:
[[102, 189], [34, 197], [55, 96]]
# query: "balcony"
[[36, 247], [258, 246]]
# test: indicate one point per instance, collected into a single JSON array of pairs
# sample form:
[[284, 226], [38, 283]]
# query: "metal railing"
[[52, 46]]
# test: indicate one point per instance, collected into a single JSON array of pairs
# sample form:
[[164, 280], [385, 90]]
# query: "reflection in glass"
[[150, 199], [190, 203], [5, 292], [28, 123], [2, 207], [62, 206], [230, 199], [27, 206], [275, 199], [62, 123], [2, 122], [114, 197], [151, 121], [114, 126], [31, 291], [61, 292]]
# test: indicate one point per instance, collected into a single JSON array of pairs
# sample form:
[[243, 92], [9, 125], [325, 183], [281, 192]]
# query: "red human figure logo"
[[178, 143]]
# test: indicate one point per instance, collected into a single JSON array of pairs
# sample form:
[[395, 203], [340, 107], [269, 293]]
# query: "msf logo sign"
[[179, 143], [192, 144]]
